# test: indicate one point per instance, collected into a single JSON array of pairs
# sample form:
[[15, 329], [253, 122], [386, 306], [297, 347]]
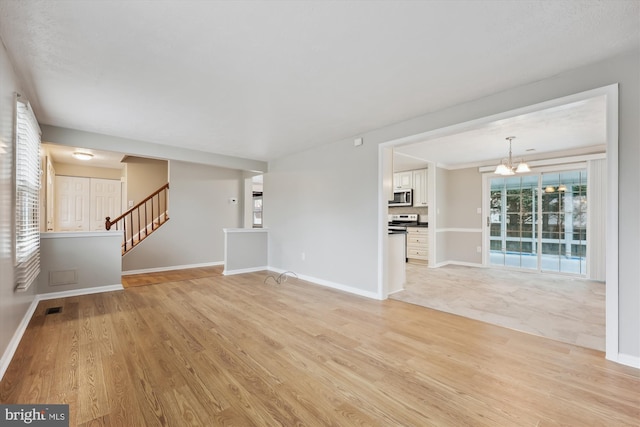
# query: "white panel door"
[[72, 203], [105, 201]]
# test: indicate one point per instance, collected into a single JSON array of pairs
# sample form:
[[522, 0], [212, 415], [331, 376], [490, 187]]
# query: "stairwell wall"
[[199, 208], [144, 176]]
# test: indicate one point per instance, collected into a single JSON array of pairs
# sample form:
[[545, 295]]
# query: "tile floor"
[[562, 308]]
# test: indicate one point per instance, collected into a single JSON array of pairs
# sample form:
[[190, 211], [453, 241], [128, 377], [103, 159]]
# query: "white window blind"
[[27, 196]]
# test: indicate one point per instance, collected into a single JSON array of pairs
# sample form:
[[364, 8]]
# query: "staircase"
[[143, 219]]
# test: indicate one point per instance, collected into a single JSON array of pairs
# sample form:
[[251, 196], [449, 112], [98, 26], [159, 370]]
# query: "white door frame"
[[611, 290]]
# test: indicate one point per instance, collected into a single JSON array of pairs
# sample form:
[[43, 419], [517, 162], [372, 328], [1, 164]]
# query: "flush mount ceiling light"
[[506, 167], [82, 155]]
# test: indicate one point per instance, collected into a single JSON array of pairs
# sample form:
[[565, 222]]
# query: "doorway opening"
[[495, 127]]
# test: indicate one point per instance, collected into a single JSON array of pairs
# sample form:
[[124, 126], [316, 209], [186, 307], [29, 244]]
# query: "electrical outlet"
[[479, 249], [303, 256]]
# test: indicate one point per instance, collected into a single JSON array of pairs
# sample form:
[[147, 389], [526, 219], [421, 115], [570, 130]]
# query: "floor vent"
[[52, 310]]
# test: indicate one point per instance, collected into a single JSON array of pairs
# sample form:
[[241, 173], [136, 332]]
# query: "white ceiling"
[[578, 127], [261, 79], [100, 159]]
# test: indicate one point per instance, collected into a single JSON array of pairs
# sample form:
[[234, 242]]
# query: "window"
[[539, 221], [27, 178]]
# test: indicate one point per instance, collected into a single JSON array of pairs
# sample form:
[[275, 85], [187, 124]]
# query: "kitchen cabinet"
[[418, 243], [420, 189], [403, 180]]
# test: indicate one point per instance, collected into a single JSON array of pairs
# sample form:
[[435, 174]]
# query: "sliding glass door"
[[513, 228], [538, 222], [564, 222]]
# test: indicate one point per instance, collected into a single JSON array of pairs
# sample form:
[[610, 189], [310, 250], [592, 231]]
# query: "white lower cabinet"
[[418, 243]]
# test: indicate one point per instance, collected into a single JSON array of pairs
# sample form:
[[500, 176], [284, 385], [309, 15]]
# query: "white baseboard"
[[628, 360], [78, 292], [463, 263], [173, 267], [244, 270], [22, 327], [333, 285], [17, 337]]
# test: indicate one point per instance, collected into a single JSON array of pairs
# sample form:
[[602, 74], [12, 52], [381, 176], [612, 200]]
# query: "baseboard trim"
[[79, 292], [244, 270], [332, 285], [462, 263], [173, 267], [628, 360], [5, 361]]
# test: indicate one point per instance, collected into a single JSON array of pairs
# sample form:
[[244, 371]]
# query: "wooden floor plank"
[[204, 349]]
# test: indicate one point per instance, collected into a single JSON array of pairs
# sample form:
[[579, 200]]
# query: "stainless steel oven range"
[[398, 224]]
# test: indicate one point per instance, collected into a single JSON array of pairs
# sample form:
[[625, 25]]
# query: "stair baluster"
[[134, 235]]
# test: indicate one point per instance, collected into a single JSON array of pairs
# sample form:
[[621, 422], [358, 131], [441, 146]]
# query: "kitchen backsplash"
[[408, 210]]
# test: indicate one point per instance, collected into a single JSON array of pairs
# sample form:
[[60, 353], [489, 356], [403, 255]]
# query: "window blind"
[[27, 196]]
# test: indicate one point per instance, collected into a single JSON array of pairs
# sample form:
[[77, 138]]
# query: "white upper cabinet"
[[403, 180], [415, 180], [420, 188]]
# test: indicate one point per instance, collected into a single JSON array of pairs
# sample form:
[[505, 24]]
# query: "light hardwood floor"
[[232, 350], [562, 308]]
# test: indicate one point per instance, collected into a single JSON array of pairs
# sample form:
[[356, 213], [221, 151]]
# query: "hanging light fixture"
[[506, 167]]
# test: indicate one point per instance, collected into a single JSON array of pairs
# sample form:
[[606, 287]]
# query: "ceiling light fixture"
[[82, 155], [506, 167]]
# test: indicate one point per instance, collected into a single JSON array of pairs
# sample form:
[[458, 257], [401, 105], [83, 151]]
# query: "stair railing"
[[142, 219]]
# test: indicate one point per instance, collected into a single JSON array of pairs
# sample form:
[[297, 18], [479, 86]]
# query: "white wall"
[[144, 176], [78, 138], [199, 209], [324, 201], [94, 258], [13, 305], [246, 249], [458, 224]]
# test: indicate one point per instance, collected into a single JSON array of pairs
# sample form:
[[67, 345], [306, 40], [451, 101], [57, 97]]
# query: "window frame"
[[27, 176]]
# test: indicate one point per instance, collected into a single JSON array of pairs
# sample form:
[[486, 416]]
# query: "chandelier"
[[506, 167]]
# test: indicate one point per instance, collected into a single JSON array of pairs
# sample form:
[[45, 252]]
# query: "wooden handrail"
[[138, 221]]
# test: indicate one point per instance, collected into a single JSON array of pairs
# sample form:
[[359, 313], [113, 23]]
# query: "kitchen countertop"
[[413, 224]]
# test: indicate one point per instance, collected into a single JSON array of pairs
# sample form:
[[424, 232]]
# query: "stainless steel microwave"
[[402, 198]]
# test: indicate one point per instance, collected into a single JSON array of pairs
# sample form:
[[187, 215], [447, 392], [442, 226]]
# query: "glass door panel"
[[512, 222], [539, 222], [564, 222]]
